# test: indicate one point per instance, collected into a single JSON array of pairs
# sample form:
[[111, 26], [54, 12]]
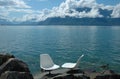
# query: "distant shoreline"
[[69, 21]]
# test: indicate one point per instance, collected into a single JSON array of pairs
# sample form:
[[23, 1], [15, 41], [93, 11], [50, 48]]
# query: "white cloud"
[[14, 3], [116, 11], [21, 10], [66, 7], [13, 6], [37, 0], [8, 6], [41, 0], [92, 14]]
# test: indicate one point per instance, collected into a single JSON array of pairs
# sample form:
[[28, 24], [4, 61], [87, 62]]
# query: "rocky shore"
[[13, 68], [78, 74]]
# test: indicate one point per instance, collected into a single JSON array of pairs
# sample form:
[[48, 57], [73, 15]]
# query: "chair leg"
[[49, 72]]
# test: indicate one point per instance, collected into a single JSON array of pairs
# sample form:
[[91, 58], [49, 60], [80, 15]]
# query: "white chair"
[[46, 63], [72, 65]]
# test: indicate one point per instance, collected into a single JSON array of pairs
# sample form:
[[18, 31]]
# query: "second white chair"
[[72, 65]]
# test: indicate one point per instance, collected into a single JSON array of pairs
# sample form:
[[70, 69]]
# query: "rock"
[[14, 64], [106, 66], [72, 77], [115, 76], [108, 72], [16, 75], [73, 71], [5, 57], [12, 68]]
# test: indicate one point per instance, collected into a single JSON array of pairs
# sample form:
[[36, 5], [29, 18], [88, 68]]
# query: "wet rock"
[[16, 75]]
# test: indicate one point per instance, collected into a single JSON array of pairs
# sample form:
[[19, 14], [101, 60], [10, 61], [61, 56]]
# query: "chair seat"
[[69, 65], [72, 65], [51, 68]]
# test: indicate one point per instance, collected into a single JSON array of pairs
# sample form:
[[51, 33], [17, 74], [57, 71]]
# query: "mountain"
[[81, 21]]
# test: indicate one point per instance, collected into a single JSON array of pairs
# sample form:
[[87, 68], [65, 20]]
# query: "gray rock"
[[16, 75], [5, 57], [14, 64]]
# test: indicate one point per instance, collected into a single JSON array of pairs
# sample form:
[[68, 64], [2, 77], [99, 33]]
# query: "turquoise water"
[[100, 44]]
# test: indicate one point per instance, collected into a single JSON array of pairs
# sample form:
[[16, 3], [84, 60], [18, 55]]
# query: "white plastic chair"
[[46, 63], [72, 65]]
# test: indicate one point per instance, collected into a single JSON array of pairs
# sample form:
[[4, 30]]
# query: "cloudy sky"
[[23, 10]]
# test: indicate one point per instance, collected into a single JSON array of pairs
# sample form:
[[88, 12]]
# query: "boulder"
[[5, 57], [13, 68], [14, 64], [16, 75]]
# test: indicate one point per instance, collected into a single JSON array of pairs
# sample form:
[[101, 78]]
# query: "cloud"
[[14, 3], [71, 5], [68, 8], [7, 7], [41, 0], [37, 0], [116, 11]]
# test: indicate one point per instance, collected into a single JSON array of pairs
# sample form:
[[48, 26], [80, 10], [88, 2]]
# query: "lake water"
[[100, 44]]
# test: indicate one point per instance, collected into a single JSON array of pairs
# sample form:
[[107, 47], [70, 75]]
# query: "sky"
[[23, 10]]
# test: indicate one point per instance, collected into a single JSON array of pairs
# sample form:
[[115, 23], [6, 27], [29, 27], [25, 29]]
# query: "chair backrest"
[[78, 61], [46, 61]]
